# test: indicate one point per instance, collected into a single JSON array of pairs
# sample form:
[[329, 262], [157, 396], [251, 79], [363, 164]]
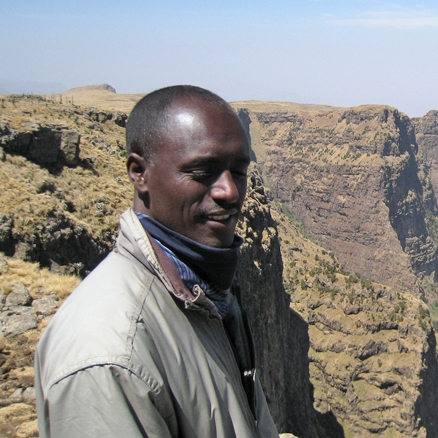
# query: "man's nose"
[[225, 188]]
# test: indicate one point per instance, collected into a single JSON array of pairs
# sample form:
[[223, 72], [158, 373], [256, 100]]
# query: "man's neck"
[[215, 266]]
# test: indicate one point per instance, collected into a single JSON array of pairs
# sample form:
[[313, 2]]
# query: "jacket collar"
[[133, 240]]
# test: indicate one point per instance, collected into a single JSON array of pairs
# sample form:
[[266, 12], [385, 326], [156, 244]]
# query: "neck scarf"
[[215, 266]]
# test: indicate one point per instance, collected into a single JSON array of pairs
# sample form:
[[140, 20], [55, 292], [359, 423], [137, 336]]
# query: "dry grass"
[[284, 107], [18, 420], [262, 106], [38, 281], [94, 192]]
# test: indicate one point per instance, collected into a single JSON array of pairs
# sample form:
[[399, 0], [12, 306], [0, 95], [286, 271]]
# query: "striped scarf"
[[190, 278]]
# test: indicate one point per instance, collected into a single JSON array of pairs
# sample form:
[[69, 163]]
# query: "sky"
[[334, 52]]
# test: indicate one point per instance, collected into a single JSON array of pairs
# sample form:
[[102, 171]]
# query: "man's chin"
[[217, 234], [214, 240]]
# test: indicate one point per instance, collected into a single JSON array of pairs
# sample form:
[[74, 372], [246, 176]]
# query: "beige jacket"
[[132, 353]]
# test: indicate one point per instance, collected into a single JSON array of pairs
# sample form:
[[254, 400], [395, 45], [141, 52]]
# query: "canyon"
[[338, 269]]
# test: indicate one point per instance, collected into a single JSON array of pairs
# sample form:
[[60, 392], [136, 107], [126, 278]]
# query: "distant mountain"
[[89, 88], [101, 96]]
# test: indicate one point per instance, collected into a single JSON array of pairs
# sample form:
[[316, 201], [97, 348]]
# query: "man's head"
[[188, 160]]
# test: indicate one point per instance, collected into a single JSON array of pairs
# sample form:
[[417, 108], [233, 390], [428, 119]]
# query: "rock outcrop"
[[280, 334], [44, 145]]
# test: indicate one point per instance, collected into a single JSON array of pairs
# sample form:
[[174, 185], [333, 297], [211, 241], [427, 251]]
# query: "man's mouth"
[[220, 216]]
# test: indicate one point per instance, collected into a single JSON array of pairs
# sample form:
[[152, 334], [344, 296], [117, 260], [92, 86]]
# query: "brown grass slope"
[[370, 344]]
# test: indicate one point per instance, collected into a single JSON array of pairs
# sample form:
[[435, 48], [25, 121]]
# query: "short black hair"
[[148, 119]]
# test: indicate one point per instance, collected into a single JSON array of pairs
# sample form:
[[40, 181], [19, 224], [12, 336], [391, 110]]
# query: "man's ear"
[[138, 172]]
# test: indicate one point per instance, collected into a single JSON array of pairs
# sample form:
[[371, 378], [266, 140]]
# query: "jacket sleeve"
[[106, 401]]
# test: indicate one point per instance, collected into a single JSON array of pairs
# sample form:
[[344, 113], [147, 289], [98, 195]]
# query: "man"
[[153, 342]]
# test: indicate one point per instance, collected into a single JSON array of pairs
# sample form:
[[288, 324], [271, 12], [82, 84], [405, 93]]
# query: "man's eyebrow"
[[198, 161], [246, 159]]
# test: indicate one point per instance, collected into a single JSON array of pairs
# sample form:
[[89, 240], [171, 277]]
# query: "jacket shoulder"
[[98, 321]]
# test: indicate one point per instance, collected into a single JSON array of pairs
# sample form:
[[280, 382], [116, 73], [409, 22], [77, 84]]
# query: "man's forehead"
[[188, 109], [196, 113], [203, 131]]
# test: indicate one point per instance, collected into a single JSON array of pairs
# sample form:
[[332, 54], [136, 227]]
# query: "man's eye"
[[206, 174], [240, 174], [199, 175]]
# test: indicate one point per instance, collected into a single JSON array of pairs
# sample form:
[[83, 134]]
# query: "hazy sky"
[[335, 52]]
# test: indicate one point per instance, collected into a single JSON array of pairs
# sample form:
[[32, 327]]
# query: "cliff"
[[427, 137], [280, 334], [352, 177], [426, 133], [355, 182]]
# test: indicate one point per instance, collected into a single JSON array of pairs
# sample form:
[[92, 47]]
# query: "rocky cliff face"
[[372, 348], [357, 181], [353, 178], [426, 129], [280, 334], [427, 138]]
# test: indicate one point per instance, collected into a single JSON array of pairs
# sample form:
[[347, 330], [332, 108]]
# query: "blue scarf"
[[211, 268]]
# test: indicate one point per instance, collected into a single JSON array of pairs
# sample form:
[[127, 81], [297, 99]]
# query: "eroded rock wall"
[[426, 128], [352, 177], [280, 333]]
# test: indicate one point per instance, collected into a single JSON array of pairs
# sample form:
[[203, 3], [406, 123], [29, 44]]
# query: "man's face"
[[196, 182]]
